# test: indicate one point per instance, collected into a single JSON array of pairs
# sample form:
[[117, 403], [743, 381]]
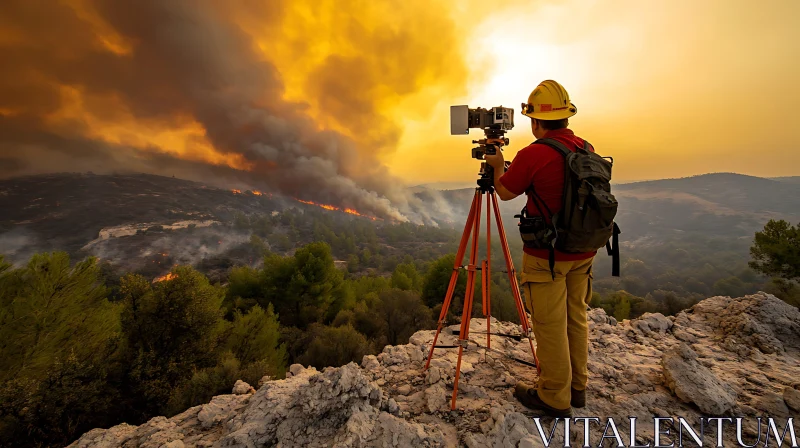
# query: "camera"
[[462, 118], [494, 122]]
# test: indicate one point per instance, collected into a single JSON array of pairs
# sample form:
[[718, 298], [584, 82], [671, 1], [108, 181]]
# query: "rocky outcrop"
[[694, 383], [723, 357]]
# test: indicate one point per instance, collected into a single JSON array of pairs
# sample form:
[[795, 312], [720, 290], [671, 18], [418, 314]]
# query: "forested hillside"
[[159, 302]]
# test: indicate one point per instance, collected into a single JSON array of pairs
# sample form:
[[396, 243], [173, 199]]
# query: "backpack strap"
[[564, 151], [555, 144], [612, 247]]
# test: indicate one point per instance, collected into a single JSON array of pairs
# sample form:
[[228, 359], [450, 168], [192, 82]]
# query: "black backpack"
[[586, 221]]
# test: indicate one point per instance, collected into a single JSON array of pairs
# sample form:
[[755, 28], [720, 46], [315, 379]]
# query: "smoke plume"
[[292, 97]]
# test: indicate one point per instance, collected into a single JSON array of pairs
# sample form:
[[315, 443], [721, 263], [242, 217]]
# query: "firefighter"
[[556, 298]]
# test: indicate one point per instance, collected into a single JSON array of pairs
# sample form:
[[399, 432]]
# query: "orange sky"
[[669, 88]]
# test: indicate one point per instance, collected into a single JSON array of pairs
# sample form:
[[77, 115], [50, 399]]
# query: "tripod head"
[[486, 173], [483, 148]]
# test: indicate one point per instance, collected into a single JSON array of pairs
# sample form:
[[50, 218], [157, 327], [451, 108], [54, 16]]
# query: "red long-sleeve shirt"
[[543, 167]]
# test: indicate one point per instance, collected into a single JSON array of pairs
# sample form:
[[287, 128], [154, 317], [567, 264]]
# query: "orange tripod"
[[472, 227]]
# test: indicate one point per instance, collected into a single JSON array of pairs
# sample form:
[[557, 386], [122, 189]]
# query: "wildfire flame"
[[338, 209], [351, 211], [255, 192], [354, 212], [165, 278]]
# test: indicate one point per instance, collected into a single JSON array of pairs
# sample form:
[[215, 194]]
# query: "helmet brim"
[[554, 114]]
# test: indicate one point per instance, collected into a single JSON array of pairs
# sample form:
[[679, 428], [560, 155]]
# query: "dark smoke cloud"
[[181, 60]]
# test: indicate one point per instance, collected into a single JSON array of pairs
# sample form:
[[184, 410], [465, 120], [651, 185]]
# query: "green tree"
[[622, 309], [369, 284], [674, 304], [366, 257], [344, 298], [244, 289], [169, 329], [334, 346], [279, 242], [367, 320], [204, 384], [786, 290], [502, 298], [776, 250], [353, 263], [596, 301], [72, 397], [776, 253], [403, 313], [50, 309], [57, 330], [302, 287], [254, 337], [258, 244], [437, 279], [406, 277], [208, 382]]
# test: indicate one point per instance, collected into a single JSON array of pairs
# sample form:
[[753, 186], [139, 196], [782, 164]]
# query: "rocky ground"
[[723, 357]]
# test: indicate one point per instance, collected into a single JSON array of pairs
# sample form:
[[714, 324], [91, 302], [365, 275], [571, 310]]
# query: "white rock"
[[241, 388], [436, 398], [351, 406], [415, 353], [791, 395], [771, 404], [694, 383], [393, 355], [432, 375], [220, 409], [370, 363], [296, 369]]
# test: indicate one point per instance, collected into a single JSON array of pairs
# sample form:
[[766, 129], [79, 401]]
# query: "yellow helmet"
[[549, 101]]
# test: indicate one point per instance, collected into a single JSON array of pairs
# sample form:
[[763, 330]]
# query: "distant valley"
[[162, 221]]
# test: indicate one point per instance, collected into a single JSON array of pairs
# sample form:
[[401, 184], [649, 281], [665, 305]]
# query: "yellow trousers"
[[558, 312]]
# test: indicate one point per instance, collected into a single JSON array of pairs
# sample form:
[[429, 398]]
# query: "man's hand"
[[498, 163], [496, 160]]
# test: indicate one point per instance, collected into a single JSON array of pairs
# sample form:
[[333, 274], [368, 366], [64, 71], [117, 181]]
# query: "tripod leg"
[[512, 278], [462, 248], [463, 336], [485, 292], [486, 275]]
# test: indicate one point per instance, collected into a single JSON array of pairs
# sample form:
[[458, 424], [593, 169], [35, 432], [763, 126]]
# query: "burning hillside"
[[335, 208], [325, 206], [200, 91], [149, 223]]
